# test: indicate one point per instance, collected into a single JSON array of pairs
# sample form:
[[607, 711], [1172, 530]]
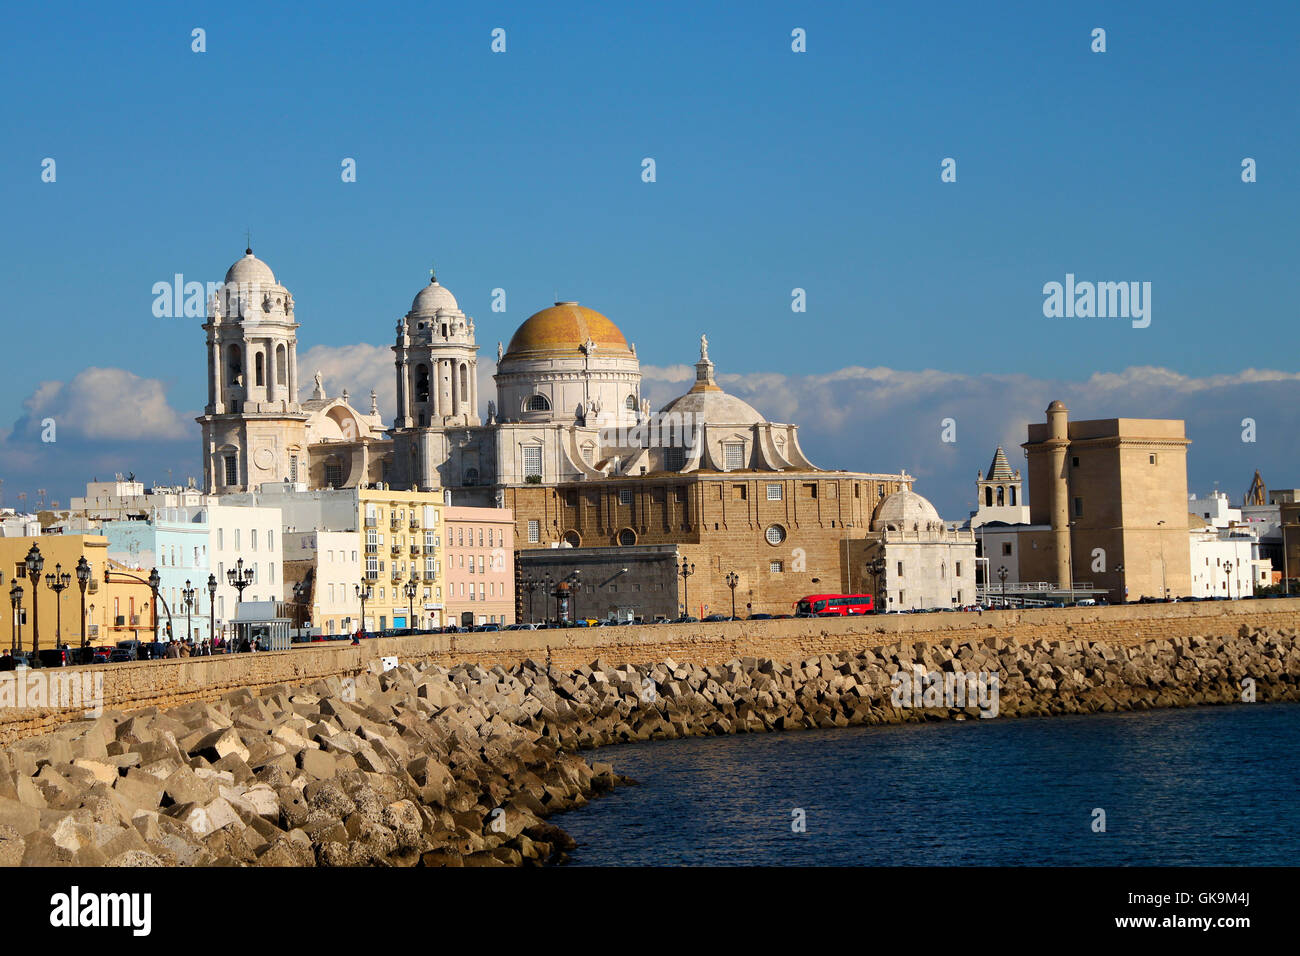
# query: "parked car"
[[488, 627], [760, 617], [685, 619], [11, 661]]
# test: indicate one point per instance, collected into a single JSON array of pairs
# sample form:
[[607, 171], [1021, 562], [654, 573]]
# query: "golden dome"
[[565, 327]]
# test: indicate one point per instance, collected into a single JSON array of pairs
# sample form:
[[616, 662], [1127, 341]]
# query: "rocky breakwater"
[[421, 764], [405, 767]]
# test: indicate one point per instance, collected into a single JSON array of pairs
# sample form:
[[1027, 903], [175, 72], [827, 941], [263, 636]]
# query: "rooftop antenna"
[[248, 242], [433, 274]]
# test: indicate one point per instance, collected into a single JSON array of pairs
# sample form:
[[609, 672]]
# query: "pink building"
[[480, 565]]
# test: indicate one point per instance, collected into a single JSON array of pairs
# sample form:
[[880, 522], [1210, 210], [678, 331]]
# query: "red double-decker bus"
[[834, 605]]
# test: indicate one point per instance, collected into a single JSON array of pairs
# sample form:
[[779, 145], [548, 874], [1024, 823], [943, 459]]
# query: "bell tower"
[[254, 429]]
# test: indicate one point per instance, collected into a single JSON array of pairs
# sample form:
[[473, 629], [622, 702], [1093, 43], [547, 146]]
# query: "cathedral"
[[568, 443]]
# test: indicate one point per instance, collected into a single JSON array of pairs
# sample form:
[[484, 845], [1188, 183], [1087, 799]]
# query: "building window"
[[533, 461], [1006, 547], [333, 474], [625, 496], [774, 492], [293, 468], [232, 470], [1153, 459], [537, 403], [1074, 461], [534, 531], [775, 534], [810, 491], [957, 568], [630, 403], [674, 458], [775, 567], [733, 455], [900, 572], [1078, 507]]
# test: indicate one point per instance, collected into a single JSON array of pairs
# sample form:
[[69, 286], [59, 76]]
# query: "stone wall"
[[170, 683]]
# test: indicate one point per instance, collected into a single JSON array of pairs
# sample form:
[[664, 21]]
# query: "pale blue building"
[[175, 541]]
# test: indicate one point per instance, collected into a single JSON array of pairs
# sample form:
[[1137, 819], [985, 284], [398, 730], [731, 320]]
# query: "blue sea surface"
[[1189, 787]]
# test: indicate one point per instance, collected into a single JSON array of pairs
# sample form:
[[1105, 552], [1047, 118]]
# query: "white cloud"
[[104, 403]]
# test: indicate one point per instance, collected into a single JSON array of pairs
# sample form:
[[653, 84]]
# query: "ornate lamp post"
[[187, 595], [410, 587], [365, 592], [1002, 576], [240, 578], [1227, 570], [16, 599], [58, 582], [686, 571], [876, 568], [530, 585], [212, 607], [299, 615], [154, 580], [34, 564], [733, 579], [547, 592], [572, 581], [83, 579]]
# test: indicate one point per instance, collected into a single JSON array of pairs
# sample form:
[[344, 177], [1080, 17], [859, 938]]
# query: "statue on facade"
[[704, 348], [319, 392]]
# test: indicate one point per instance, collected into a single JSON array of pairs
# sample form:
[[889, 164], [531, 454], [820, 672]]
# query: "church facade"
[[568, 444]]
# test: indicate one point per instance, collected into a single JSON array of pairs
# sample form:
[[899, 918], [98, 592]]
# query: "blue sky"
[[775, 170]]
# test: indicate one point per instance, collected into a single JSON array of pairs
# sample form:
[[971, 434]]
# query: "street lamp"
[[546, 592], [83, 579], [530, 585], [1002, 576], [1164, 582], [410, 588], [299, 615], [365, 592], [212, 607], [34, 564], [733, 579], [572, 580], [154, 580], [16, 599], [1119, 569], [1227, 570], [240, 578], [686, 571], [187, 595], [876, 569], [58, 583]]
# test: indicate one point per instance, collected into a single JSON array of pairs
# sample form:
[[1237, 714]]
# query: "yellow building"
[[401, 542], [118, 607]]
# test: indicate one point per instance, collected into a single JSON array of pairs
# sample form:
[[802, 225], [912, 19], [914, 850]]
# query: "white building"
[[253, 534], [15, 524], [1226, 563], [1214, 509], [926, 565], [125, 499], [329, 561]]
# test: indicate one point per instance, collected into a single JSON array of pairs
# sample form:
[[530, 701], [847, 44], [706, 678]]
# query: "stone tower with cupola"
[[254, 428], [436, 360]]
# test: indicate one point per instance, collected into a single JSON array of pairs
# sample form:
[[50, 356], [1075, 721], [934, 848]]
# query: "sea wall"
[[421, 764], [169, 683]]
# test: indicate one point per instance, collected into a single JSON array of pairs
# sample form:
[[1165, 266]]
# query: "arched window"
[[281, 366], [1013, 496], [537, 403], [422, 383], [630, 403], [259, 365], [988, 497], [464, 383], [234, 364], [471, 476], [1001, 496]]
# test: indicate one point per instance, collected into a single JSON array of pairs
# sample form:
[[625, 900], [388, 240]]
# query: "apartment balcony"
[[415, 524], [415, 549], [372, 522], [372, 548], [395, 525], [397, 550]]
